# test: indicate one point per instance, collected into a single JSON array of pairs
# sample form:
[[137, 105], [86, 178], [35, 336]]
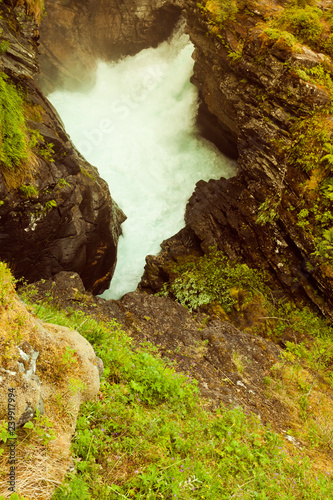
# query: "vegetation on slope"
[[13, 142], [149, 435], [35, 8], [16, 140]]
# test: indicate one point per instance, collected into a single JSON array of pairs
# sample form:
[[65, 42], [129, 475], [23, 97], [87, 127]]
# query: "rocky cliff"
[[74, 34], [262, 99], [56, 213]]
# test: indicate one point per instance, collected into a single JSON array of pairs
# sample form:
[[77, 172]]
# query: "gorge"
[[251, 100], [226, 396], [137, 125]]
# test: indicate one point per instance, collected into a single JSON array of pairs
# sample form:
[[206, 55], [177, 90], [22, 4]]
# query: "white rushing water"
[[137, 125]]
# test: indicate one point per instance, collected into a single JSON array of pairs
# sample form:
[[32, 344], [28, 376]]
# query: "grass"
[[148, 434], [6, 286], [13, 145], [35, 8]]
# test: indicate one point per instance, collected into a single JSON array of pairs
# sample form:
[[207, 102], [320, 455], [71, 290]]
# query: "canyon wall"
[[56, 213], [252, 98], [75, 34]]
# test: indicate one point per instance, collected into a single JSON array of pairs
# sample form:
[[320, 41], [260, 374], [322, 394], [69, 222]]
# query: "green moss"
[[309, 136], [307, 24], [218, 11], [304, 23], [281, 35]]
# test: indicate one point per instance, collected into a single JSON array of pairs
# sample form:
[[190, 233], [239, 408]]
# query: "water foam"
[[137, 125]]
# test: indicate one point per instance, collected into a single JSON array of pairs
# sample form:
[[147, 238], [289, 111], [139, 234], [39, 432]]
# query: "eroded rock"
[[248, 107]]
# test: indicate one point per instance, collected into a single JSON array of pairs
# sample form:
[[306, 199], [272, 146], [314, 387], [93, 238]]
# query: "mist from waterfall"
[[137, 126]]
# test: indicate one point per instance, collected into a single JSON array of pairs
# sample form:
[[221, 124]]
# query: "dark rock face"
[[254, 101], [68, 221], [74, 34]]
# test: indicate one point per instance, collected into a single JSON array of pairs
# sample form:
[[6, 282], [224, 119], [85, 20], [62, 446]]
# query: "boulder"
[[46, 372]]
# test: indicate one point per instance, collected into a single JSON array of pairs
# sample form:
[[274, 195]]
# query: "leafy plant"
[[267, 211], [281, 36], [235, 56], [63, 183], [35, 138], [221, 10], [324, 246], [47, 152], [50, 204], [41, 426], [68, 357], [4, 46], [212, 278], [328, 158], [29, 191], [305, 23], [148, 435]]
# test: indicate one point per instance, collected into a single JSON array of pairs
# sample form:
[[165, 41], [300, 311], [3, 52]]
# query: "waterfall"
[[137, 126]]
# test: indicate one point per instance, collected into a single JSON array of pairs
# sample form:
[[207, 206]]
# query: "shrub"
[[282, 36], [212, 278], [28, 190], [222, 9], [305, 23]]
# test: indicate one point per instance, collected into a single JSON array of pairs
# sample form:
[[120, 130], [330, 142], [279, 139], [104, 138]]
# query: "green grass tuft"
[[13, 145]]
